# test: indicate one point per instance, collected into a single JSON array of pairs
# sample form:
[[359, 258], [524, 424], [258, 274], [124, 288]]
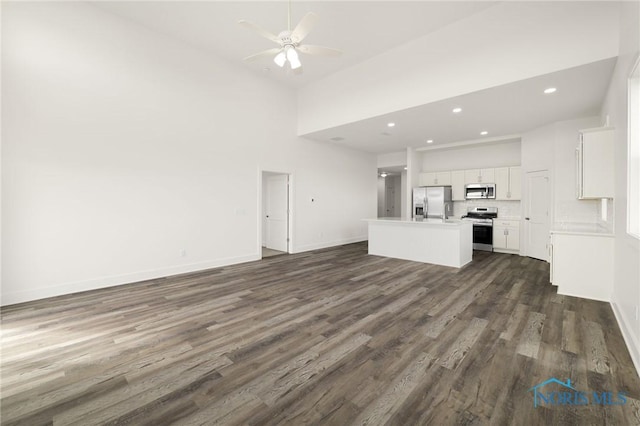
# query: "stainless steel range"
[[482, 218]]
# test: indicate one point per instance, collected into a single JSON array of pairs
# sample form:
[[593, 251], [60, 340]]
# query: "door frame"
[[524, 238], [261, 202]]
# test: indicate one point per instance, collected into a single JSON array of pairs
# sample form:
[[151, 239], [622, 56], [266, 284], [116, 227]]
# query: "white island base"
[[448, 243]]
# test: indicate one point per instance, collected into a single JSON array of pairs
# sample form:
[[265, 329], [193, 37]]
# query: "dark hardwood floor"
[[333, 336]]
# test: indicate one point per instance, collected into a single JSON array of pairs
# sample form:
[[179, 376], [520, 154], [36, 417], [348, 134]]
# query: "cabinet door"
[[443, 178], [472, 176], [457, 185], [502, 183], [426, 179], [513, 238], [487, 176], [515, 183], [499, 237], [597, 164]]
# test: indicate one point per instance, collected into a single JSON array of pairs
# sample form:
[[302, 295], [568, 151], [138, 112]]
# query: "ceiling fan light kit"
[[289, 42], [292, 57]]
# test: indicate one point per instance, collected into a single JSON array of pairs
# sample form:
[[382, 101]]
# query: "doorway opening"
[[275, 229], [391, 191]]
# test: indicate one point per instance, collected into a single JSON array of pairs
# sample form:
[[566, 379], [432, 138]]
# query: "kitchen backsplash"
[[505, 208], [586, 212]]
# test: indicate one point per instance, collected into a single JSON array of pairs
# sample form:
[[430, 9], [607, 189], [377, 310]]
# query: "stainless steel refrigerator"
[[432, 202]]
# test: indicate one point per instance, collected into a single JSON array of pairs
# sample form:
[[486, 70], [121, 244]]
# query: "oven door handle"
[[483, 224]]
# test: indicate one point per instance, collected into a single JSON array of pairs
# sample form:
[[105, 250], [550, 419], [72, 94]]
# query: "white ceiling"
[[364, 29], [506, 110], [361, 29]]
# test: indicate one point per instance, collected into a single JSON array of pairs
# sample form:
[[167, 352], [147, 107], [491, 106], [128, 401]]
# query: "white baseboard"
[[327, 244], [632, 343], [582, 296], [507, 251], [115, 280]]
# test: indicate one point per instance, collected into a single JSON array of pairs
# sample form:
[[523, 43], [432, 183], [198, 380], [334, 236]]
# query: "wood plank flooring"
[[331, 337]]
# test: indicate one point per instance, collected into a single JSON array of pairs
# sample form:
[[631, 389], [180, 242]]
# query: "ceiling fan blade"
[[258, 29], [310, 49], [269, 53], [303, 28]]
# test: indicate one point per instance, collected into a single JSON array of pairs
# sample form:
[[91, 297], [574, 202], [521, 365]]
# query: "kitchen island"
[[447, 243]]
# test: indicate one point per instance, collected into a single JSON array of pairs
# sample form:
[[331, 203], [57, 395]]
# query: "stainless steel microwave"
[[477, 191]]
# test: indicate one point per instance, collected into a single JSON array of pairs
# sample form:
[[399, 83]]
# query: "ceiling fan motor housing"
[[285, 39]]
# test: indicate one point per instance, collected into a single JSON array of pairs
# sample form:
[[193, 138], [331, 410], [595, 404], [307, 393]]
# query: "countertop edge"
[[584, 233], [458, 223]]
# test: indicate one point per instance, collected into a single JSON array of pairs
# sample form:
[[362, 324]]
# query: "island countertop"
[[448, 242], [425, 222]]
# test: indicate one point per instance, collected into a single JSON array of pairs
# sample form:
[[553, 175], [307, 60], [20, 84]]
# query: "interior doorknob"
[[526, 218]]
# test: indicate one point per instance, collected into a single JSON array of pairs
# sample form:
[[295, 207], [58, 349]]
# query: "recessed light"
[[405, 167], [456, 110], [391, 124], [484, 132], [430, 141], [383, 174], [550, 90]]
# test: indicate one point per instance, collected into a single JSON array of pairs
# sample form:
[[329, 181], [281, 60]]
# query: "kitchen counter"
[[577, 228], [447, 243], [427, 222]]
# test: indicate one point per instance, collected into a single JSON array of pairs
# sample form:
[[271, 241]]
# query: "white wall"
[[472, 157], [121, 147], [518, 41], [392, 159], [626, 280]]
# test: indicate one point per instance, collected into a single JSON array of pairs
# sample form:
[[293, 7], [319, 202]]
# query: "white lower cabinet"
[[506, 236], [582, 264]]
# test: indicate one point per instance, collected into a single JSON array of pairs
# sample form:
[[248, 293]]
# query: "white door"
[[390, 196], [536, 223], [277, 204]]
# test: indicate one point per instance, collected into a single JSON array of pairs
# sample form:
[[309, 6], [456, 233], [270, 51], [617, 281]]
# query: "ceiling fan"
[[290, 42]]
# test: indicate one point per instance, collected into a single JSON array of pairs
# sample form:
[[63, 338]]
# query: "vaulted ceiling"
[[387, 39]]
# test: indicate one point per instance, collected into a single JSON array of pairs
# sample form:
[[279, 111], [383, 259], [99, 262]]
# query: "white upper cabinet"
[[595, 162], [434, 178], [457, 185], [479, 176], [507, 180], [508, 186]]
